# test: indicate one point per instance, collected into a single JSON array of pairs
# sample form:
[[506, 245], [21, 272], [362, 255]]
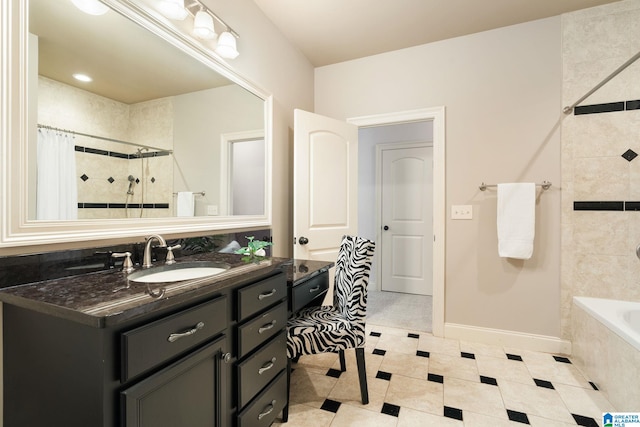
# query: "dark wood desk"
[[307, 282]]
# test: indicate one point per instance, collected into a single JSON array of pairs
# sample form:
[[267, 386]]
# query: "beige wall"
[[598, 248], [502, 94]]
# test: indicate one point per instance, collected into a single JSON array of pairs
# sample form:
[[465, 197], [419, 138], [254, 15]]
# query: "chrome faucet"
[[146, 257]]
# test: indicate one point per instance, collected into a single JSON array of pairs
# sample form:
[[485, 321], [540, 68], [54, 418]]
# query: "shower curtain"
[[56, 187]]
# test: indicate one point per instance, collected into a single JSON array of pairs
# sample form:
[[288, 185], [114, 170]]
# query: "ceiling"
[[331, 31]]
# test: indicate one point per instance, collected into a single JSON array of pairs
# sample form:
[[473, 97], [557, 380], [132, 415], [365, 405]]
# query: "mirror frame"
[[15, 228]]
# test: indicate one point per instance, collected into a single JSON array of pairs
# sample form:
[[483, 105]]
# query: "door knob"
[[385, 228], [303, 240]]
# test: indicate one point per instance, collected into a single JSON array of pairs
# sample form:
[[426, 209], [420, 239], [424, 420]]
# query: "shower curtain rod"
[[104, 138], [568, 110]]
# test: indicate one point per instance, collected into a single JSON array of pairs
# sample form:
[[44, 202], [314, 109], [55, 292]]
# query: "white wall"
[[501, 90]]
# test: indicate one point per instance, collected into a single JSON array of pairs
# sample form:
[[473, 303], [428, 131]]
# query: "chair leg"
[[362, 375], [343, 364], [285, 410]]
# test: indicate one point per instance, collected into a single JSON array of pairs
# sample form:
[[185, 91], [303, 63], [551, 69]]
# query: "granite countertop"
[[106, 298]]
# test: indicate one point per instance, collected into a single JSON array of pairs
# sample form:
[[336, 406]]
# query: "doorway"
[[369, 221]]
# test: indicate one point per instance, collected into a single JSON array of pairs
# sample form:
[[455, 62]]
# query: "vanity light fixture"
[[227, 46], [203, 27], [173, 9], [91, 7]]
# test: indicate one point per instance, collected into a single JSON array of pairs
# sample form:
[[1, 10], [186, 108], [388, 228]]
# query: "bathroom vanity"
[[100, 350]]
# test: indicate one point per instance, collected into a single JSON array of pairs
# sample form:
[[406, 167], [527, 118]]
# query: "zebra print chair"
[[341, 326]]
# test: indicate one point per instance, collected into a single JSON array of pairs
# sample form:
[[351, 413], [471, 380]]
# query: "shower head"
[[132, 183]]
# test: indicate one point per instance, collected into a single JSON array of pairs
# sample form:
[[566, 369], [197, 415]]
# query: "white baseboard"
[[504, 338]]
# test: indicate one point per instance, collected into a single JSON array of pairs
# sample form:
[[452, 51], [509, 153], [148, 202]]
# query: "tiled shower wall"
[[599, 238], [103, 166]]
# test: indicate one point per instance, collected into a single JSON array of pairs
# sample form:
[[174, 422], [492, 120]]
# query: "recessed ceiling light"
[[92, 7], [82, 77]]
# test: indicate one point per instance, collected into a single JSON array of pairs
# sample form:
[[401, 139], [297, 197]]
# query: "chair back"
[[352, 278]]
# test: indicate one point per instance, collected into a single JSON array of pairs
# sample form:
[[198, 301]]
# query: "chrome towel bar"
[[545, 185]]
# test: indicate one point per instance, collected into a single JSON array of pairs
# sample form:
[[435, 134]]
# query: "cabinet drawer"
[[259, 369], [159, 341], [260, 329], [255, 298], [303, 293], [266, 407]]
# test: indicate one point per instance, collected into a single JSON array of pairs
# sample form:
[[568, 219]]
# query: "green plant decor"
[[254, 249]]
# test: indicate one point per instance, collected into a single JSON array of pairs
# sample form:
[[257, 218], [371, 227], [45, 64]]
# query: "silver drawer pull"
[[267, 366], [175, 337], [314, 289], [267, 295], [267, 410], [267, 326]]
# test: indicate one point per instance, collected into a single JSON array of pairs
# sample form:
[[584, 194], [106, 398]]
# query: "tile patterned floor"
[[416, 379]]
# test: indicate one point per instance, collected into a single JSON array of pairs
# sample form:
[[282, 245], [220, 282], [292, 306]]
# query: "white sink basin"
[[178, 272]]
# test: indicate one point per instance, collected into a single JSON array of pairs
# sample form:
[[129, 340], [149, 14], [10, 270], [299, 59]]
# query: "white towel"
[[185, 203], [516, 220]]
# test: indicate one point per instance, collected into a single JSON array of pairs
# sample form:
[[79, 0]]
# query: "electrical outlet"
[[461, 212], [212, 210]]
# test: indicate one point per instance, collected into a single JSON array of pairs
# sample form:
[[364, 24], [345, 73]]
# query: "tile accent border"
[[609, 107], [606, 205], [123, 205]]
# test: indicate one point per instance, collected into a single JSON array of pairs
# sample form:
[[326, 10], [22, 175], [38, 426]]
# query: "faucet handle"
[[127, 265], [170, 258]]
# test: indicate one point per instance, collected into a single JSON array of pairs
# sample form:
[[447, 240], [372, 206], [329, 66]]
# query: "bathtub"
[[622, 317], [606, 347]]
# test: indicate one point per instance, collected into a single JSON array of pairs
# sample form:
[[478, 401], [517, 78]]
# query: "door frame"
[[437, 115], [379, 149]]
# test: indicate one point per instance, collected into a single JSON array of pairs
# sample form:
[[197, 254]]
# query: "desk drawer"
[[266, 407], [305, 292], [260, 329], [259, 369], [254, 298], [151, 344]]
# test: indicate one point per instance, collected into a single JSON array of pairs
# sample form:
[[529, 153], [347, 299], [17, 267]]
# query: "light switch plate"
[[212, 210], [461, 212]]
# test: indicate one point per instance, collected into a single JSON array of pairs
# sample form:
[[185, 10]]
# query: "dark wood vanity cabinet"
[[217, 360]]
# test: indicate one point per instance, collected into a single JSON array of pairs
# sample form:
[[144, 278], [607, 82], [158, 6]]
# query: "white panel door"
[[325, 186], [407, 223]]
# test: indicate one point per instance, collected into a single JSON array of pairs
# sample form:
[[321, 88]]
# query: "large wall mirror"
[[165, 137]]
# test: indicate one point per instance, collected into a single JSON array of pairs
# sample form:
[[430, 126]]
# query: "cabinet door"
[[186, 393]]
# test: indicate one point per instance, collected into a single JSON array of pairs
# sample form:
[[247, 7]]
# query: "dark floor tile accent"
[[562, 359], [594, 386], [389, 409], [488, 380], [422, 353], [375, 334], [609, 107], [598, 206], [436, 378], [543, 383], [454, 413], [518, 417], [467, 355], [330, 405], [379, 352], [384, 375], [581, 420], [410, 335], [514, 357], [335, 373]]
